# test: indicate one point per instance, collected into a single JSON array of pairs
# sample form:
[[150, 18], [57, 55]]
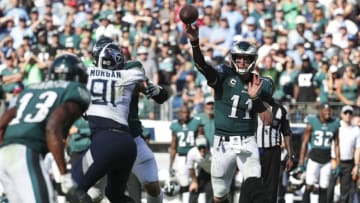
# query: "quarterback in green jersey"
[[37, 124], [320, 132], [239, 96]]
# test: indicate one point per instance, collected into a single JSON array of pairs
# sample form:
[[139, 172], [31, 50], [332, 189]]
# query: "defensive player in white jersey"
[[112, 151], [145, 167]]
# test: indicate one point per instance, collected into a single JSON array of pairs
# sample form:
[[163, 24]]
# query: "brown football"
[[188, 14]]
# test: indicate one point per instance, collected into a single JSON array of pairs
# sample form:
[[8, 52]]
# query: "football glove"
[[152, 90], [67, 183]]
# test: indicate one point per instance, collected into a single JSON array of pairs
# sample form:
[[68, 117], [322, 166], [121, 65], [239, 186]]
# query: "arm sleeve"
[[208, 71], [286, 130]]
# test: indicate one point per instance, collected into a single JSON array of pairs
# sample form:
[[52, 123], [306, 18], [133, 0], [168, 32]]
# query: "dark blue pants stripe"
[[37, 178]]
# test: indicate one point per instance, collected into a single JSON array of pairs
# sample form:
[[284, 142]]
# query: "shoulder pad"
[[134, 65]]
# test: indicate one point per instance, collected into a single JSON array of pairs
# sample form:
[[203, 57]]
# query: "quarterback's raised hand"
[[254, 86], [192, 32]]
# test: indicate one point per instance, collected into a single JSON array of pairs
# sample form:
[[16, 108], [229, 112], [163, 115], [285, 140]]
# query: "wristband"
[[258, 105]]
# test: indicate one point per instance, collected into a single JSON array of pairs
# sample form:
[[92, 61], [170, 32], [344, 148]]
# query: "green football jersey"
[[35, 105], [133, 118], [81, 140], [185, 134], [234, 112], [322, 133]]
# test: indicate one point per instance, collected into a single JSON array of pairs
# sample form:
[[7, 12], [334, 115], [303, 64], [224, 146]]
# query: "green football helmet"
[[68, 67], [246, 49]]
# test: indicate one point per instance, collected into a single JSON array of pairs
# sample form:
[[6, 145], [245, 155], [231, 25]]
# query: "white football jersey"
[[111, 92]]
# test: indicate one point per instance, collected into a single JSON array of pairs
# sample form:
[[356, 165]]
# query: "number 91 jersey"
[[35, 105], [111, 92]]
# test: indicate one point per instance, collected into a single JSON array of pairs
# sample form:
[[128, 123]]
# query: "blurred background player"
[[43, 112], [321, 130], [198, 161], [184, 132]]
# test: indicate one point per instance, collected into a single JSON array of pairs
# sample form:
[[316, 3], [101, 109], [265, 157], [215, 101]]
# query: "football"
[[188, 14]]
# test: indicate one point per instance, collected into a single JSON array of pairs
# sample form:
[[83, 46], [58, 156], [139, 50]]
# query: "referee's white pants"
[[226, 157], [23, 175]]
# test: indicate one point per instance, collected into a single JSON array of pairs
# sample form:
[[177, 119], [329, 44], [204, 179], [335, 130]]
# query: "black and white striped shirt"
[[268, 136]]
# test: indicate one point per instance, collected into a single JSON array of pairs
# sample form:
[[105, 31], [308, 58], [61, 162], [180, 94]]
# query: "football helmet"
[[99, 44], [68, 67], [171, 188], [111, 57], [243, 48], [296, 179]]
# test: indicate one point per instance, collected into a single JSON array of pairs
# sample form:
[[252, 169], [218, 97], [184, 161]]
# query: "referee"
[[269, 139]]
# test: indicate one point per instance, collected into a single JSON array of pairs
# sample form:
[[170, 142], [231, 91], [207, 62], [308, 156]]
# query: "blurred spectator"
[[252, 33], [300, 33], [291, 10], [279, 24], [192, 94], [347, 87], [344, 5], [287, 81], [319, 22], [205, 31], [318, 57], [106, 28], [231, 13], [18, 32], [31, 70], [11, 76], [325, 80], [259, 11], [149, 64], [340, 38], [338, 21], [42, 50], [299, 52], [268, 70], [264, 49], [305, 87], [221, 38], [207, 119], [69, 36]]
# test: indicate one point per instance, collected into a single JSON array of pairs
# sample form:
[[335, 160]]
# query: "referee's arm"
[[286, 131]]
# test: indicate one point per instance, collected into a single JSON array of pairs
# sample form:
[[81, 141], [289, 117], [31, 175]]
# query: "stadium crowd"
[[309, 48], [294, 38]]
